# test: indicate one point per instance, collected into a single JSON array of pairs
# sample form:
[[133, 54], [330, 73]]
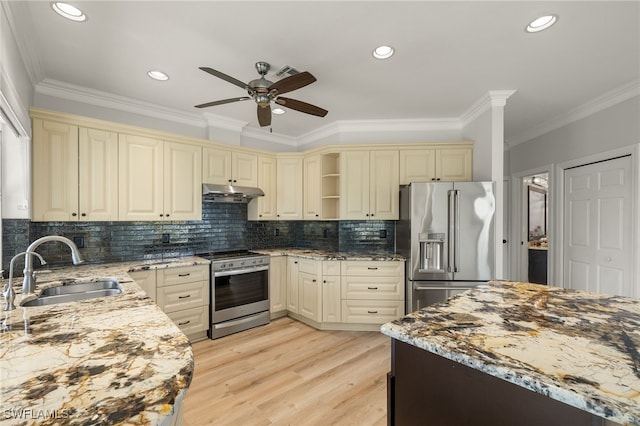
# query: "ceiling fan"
[[263, 91]]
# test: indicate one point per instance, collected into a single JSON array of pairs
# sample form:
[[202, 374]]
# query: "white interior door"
[[597, 227]]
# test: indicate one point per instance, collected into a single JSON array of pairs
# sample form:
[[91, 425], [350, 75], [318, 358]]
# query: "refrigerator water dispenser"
[[431, 252]]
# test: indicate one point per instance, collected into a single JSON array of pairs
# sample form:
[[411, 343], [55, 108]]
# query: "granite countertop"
[[576, 347], [330, 255], [106, 360]]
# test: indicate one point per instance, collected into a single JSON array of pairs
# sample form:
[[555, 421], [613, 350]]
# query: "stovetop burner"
[[225, 255]]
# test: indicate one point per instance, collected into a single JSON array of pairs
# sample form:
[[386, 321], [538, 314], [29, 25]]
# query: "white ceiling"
[[448, 55]]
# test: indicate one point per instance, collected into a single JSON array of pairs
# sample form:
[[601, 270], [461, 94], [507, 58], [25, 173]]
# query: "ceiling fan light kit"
[[263, 92]]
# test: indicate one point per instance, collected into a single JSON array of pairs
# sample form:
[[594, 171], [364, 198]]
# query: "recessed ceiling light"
[[278, 111], [158, 75], [383, 52], [68, 11], [541, 23]]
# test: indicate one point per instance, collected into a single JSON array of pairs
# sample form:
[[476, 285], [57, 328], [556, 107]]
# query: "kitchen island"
[[109, 360], [517, 353]]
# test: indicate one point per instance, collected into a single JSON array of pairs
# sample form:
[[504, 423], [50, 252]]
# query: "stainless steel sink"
[[76, 292]]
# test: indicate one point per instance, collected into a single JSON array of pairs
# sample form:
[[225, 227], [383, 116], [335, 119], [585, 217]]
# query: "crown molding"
[[607, 100], [397, 126], [251, 132], [26, 47], [218, 121], [490, 99]]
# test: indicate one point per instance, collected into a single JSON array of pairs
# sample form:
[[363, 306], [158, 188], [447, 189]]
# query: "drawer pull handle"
[[184, 323], [372, 312], [184, 297], [184, 275], [372, 288], [372, 268]]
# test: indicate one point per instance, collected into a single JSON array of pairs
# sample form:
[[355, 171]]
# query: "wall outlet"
[[383, 233], [325, 233], [166, 239], [276, 232], [79, 241]]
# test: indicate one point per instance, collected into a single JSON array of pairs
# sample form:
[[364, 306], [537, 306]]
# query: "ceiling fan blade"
[[225, 77], [264, 115], [293, 82], [223, 101], [301, 106]]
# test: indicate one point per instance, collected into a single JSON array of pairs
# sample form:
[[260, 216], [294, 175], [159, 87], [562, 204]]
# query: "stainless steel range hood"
[[217, 193]]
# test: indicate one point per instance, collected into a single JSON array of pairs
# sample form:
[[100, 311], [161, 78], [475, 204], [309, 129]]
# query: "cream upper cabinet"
[[229, 167], [264, 208], [159, 180], [312, 188], [75, 172], [435, 164], [182, 181], [289, 188], [369, 185]]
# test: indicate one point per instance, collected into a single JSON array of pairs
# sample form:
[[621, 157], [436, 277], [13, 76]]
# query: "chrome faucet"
[[29, 283], [8, 292]]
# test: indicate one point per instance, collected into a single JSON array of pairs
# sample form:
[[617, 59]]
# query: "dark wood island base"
[[427, 389]]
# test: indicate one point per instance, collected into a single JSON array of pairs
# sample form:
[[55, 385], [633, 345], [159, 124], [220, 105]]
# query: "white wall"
[[15, 179], [614, 127]]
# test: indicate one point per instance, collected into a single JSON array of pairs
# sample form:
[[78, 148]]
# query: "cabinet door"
[[312, 200], [140, 179], [417, 165], [331, 303], [216, 166], [289, 191], [454, 164], [264, 208], [244, 169], [354, 187], [147, 282], [182, 181], [98, 175], [55, 171], [309, 296], [384, 185], [292, 284], [278, 283]]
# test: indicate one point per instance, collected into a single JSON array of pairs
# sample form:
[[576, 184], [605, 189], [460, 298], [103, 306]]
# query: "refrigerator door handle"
[[456, 249], [450, 230]]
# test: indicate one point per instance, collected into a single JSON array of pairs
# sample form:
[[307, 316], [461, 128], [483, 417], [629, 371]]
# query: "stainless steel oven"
[[239, 292]]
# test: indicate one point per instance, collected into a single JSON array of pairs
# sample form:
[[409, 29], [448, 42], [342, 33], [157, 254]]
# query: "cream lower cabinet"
[[372, 291], [182, 293], [159, 180], [292, 284], [278, 286], [310, 289], [331, 291]]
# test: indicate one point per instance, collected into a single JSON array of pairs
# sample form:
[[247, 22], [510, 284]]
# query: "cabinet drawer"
[[373, 288], [184, 274], [331, 267], [371, 311], [310, 266], [192, 320], [372, 268], [183, 296]]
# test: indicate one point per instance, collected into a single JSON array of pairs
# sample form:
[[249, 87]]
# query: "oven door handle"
[[241, 271]]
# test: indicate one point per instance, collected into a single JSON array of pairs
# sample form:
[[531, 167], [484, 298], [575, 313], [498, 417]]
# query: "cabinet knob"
[[371, 214], [317, 215], [259, 215], [438, 179], [229, 181], [234, 181], [83, 214], [324, 281], [74, 214], [367, 214], [167, 214], [433, 178], [161, 215]]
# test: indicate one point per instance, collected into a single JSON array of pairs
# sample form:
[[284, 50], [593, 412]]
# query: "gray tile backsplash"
[[224, 226]]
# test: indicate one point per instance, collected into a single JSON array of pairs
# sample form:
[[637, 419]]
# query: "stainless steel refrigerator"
[[446, 231]]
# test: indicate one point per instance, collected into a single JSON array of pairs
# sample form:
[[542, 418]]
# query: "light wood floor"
[[287, 373]]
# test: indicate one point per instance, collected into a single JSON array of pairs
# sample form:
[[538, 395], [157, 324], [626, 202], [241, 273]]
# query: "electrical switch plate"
[[383, 233], [79, 241], [165, 238], [276, 232]]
